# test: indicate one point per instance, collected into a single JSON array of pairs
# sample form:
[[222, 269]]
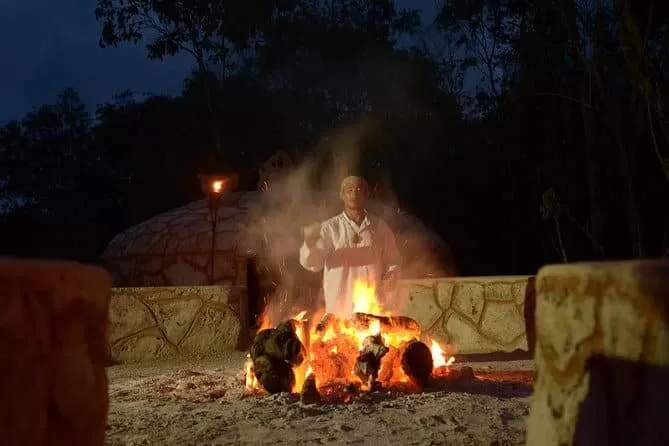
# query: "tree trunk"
[[593, 172], [213, 124]]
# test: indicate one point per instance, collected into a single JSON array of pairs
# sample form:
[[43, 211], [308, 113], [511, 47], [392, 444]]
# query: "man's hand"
[[390, 276], [312, 232]]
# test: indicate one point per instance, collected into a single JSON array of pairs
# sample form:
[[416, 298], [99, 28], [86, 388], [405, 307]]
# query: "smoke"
[[296, 195]]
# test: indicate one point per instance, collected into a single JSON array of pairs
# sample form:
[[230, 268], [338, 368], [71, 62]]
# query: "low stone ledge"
[[473, 314], [160, 322], [53, 352], [602, 354]]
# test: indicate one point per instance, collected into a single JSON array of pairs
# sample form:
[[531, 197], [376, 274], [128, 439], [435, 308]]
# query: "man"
[[348, 247]]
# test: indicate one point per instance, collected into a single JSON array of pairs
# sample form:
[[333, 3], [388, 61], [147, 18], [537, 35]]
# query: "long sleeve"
[[392, 259], [313, 259]]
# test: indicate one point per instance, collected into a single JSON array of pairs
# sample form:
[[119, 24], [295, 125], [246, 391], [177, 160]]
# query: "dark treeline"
[[522, 132]]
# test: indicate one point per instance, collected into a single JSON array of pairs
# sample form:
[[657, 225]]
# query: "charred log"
[[368, 362], [258, 344], [273, 374], [388, 323], [324, 322], [389, 363], [274, 352], [461, 374], [364, 320], [280, 343], [416, 361], [310, 393]]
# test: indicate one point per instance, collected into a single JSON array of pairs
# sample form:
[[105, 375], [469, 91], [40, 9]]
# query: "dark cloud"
[[48, 45]]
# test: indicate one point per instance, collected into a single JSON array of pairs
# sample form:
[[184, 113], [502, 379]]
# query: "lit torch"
[[212, 187]]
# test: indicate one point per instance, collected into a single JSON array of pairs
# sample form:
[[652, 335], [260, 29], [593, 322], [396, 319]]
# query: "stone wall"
[[473, 314], [602, 355], [53, 353], [160, 322]]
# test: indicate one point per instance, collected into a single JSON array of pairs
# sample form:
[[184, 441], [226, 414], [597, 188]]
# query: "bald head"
[[353, 181], [354, 192]]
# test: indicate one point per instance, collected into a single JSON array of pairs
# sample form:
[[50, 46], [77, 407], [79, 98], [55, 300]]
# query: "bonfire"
[[322, 355]]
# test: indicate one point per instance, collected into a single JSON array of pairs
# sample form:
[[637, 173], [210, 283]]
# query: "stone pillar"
[[52, 353], [602, 355]]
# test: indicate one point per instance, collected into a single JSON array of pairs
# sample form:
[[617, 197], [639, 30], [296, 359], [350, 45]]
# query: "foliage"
[[495, 107]]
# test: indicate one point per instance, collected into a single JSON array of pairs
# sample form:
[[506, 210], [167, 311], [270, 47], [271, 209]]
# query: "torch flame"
[[217, 186]]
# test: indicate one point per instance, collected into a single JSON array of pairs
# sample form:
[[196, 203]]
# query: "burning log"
[[462, 374], [310, 393], [333, 360], [363, 321], [280, 343], [388, 323], [416, 361], [368, 363], [274, 375], [274, 352], [388, 364]]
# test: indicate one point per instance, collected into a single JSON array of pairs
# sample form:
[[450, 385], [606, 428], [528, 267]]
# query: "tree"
[[341, 52], [211, 31]]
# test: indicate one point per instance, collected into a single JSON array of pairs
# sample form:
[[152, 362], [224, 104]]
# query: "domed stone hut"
[[257, 238]]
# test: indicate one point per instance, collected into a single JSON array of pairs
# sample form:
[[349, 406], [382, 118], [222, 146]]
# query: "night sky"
[[48, 45]]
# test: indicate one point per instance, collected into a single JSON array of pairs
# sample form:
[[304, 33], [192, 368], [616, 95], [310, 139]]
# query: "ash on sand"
[[201, 402]]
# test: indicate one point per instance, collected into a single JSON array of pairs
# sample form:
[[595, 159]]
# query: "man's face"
[[354, 193]]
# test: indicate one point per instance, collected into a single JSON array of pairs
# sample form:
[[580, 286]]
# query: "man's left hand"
[[390, 276]]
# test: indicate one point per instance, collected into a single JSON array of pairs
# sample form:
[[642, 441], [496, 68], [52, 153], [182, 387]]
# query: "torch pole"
[[213, 213]]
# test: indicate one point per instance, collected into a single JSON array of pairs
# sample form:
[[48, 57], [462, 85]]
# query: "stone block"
[[473, 314], [602, 354], [161, 322], [53, 353]]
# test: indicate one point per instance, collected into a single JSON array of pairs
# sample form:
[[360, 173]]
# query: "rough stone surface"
[[602, 354], [161, 322], [473, 314], [53, 353]]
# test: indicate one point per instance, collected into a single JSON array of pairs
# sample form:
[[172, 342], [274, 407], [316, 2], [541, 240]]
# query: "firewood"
[[258, 344], [364, 320], [388, 364], [281, 343], [309, 394], [461, 374], [334, 359], [416, 361], [274, 375], [368, 362], [324, 322], [388, 323]]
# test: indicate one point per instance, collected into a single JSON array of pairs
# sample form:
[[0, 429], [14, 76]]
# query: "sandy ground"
[[201, 402]]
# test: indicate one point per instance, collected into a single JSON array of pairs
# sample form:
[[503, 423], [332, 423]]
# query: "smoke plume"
[[296, 195]]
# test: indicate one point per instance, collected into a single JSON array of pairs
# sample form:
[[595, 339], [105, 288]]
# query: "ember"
[[366, 352]]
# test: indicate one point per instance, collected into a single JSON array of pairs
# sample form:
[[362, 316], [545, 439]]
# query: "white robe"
[[343, 261]]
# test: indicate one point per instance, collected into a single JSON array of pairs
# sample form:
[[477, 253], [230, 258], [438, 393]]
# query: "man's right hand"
[[312, 232]]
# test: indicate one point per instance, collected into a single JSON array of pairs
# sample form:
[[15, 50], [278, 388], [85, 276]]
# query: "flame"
[[332, 351], [364, 298], [439, 356], [217, 186], [251, 382]]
